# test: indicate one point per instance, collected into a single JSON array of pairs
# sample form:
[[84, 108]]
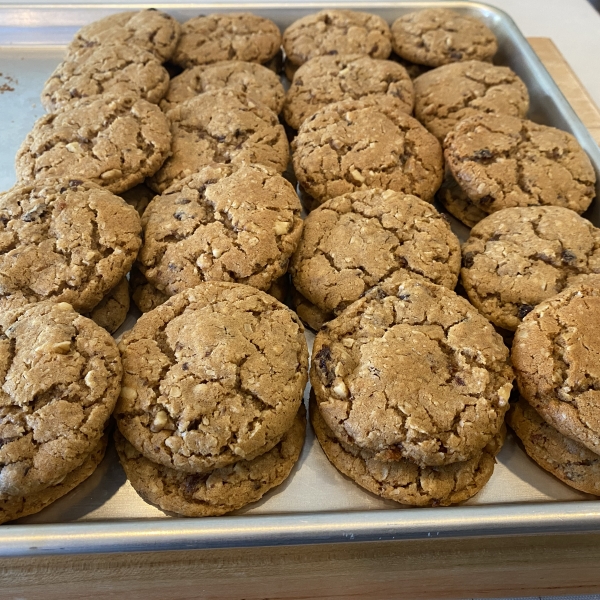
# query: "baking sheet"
[[317, 503]]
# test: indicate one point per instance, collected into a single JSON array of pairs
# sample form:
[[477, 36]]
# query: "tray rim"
[[146, 535]]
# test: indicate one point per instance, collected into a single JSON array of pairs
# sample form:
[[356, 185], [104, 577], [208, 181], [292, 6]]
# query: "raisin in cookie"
[[222, 224], [222, 126], [565, 458], [353, 242], [518, 257], [438, 36], [220, 491], [213, 376], [361, 144], [502, 161], [111, 140], [556, 354], [66, 241], [327, 79], [119, 70], [257, 81], [61, 375], [416, 373], [151, 30], [448, 94], [336, 32], [231, 36], [403, 481]]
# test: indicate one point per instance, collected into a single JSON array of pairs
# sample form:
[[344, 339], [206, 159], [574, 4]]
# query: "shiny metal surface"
[[316, 504]]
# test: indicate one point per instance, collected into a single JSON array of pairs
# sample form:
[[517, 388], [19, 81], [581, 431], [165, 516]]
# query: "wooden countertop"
[[491, 567]]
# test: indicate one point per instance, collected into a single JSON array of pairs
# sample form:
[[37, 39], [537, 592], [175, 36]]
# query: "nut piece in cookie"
[[222, 224], [448, 94], [222, 126], [113, 141], [327, 79], [231, 36], [150, 29], [565, 458], [355, 241], [361, 144], [556, 355], [518, 257], [64, 240], [336, 32], [438, 36], [61, 375], [501, 161], [213, 376], [412, 371], [220, 491]]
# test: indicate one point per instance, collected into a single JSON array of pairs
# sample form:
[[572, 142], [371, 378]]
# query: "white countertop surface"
[[573, 25]]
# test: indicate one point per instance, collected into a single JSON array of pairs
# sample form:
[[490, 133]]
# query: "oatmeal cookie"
[[457, 203], [416, 374], [213, 376], [111, 311]]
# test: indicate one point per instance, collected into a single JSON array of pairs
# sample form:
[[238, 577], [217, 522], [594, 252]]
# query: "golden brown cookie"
[[360, 144], [556, 355], [223, 126], [312, 316], [144, 295], [565, 458], [213, 376], [336, 32], [111, 311], [64, 240], [403, 481], [255, 80], [113, 141], [518, 257], [355, 241], [15, 507], [222, 224], [230, 36], [502, 161], [150, 29], [119, 70], [448, 94], [438, 36], [220, 491], [457, 203], [61, 375], [412, 371], [327, 79]]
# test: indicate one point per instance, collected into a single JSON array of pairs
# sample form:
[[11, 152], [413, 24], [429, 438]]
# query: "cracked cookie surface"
[[113, 141], [111, 311], [502, 161], [220, 491], [448, 94], [61, 375], [222, 126], [518, 257], [438, 36], [213, 376], [361, 144], [151, 30], [327, 79], [336, 32], [556, 355], [15, 507], [351, 243], [403, 481], [565, 458], [255, 80], [119, 70], [222, 224], [412, 371], [65, 240], [231, 36]]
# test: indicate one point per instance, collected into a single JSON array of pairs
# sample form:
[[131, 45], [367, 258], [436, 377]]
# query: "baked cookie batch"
[[410, 381]]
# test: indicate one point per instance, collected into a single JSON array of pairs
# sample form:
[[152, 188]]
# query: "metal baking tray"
[[316, 504]]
